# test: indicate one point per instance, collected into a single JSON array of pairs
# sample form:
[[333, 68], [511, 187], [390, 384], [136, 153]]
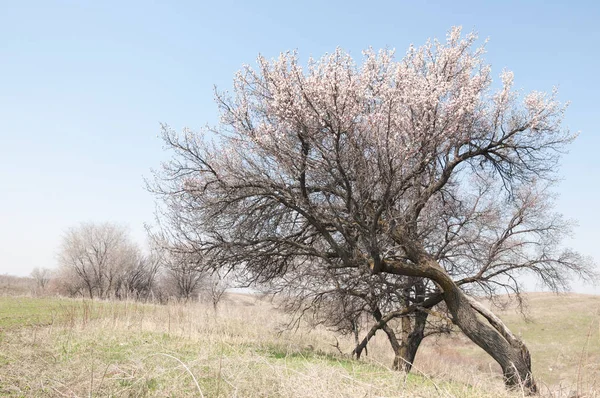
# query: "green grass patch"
[[24, 311]]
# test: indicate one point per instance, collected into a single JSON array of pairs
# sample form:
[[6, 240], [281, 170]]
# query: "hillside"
[[58, 347], [561, 332]]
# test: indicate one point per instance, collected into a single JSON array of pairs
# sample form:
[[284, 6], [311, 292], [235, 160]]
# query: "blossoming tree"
[[413, 167]]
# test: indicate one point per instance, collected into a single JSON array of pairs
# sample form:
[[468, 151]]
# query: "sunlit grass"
[[58, 347]]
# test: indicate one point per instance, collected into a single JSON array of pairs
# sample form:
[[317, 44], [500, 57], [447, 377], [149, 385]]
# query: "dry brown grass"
[[77, 348]]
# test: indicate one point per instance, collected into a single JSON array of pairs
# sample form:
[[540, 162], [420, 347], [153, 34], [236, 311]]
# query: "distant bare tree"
[[214, 287], [11, 285], [184, 272], [41, 276], [68, 283], [139, 281], [95, 258], [413, 168]]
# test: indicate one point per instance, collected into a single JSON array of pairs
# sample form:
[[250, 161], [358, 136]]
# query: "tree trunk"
[[90, 289], [510, 353], [512, 356], [405, 351], [417, 338], [391, 335], [413, 340], [358, 345]]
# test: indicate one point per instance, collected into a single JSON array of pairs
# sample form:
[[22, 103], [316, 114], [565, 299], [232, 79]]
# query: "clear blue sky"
[[84, 85]]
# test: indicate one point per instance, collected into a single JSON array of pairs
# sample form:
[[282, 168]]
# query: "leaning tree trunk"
[[513, 356], [493, 337]]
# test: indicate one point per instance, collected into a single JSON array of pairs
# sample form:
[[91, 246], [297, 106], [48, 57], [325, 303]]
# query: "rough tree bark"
[[509, 352], [413, 340]]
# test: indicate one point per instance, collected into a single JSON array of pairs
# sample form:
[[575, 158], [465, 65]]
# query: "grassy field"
[[75, 348]]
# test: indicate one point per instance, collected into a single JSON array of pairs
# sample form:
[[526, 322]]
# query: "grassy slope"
[[563, 337], [561, 332], [58, 347]]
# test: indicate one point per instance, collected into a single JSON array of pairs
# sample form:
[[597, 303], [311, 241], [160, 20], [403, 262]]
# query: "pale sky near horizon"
[[85, 84]]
